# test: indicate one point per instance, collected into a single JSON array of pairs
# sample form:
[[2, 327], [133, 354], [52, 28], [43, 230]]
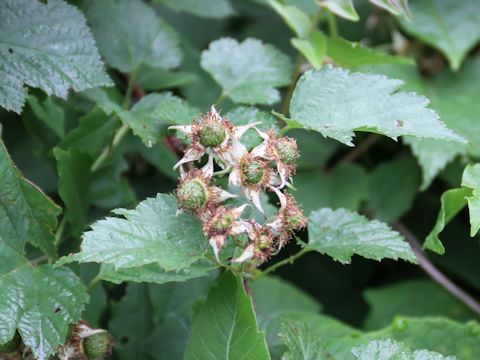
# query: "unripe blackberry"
[[223, 222], [212, 134], [253, 172], [192, 194], [97, 346], [287, 150], [294, 219]]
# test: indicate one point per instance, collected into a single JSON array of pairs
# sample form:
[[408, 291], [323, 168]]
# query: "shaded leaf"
[[129, 33], [452, 201], [47, 46], [450, 26], [26, 213], [336, 102], [294, 17], [151, 233], [301, 343], [225, 327], [313, 48], [342, 233], [249, 72]]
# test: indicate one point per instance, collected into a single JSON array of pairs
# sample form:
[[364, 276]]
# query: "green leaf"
[[336, 102], [394, 7], [40, 302], [342, 233], [301, 343], [225, 327], [150, 78], [47, 46], [411, 298], [141, 37], [249, 72], [98, 304], [353, 54], [243, 115], [73, 186], [151, 233], [344, 187], [153, 273], [471, 179], [313, 48], [450, 26], [204, 8], [452, 201], [389, 349], [26, 213], [393, 188], [295, 18], [343, 8]]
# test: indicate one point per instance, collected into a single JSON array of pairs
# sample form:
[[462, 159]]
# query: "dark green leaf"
[[47, 46]]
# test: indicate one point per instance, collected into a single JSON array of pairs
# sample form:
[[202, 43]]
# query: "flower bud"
[[212, 134], [192, 194], [287, 150], [97, 346]]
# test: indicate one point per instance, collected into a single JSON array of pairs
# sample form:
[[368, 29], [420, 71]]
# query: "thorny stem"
[[288, 260], [435, 273], [92, 283], [298, 65]]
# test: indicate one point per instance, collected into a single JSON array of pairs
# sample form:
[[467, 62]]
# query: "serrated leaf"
[[471, 179], [389, 349], [301, 343], [342, 8], [243, 115], [47, 46], [204, 8], [393, 188], [336, 102], [452, 201], [151, 233], [313, 48], [353, 54], [418, 297], [295, 18], [342, 233], [225, 327], [129, 33], [74, 179], [42, 312], [249, 72], [450, 26], [153, 273], [26, 213], [346, 186]]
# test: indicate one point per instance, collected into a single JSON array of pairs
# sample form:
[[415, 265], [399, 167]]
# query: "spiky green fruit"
[[287, 150], [192, 194], [212, 135], [97, 346]]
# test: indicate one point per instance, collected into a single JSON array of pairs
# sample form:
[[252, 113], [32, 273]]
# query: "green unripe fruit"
[[97, 346], [264, 241], [295, 220], [11, 346], [212, 135], [253, 172], [223, 222], [287, 150], [193, 194]]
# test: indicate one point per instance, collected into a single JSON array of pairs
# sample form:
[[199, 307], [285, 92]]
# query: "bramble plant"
[[210, 180]]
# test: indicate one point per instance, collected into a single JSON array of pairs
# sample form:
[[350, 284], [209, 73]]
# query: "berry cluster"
[[269, 166]]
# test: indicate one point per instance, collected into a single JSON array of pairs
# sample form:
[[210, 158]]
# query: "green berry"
[[223, 222], [295, 220], [212, 135], [253, 172], [287, 150], [97, 346], [192, 194], [264, 241]]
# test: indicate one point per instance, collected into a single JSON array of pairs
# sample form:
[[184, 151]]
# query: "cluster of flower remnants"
[[269, 166]]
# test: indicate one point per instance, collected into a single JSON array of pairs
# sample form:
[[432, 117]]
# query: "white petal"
[[276, 225], [191, 154], [281, 196], [239, 227], [207, 170], [234, 178], [247, 254], [261, 151], [263, 135], [186, 129], [221, 195], [240, 130], [254, 197], [217, 242], [236, 212]]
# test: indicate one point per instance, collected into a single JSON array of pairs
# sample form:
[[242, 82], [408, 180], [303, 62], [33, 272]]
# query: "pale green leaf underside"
[[301, 343], [342, 8], [452, 201], [40, 302], [151, 233], [336, 102], [226, 328], [451, 26], [342, 233], [249, 72], [389, 349], [46, 46], [129, 33], [26, 213], [471, 179]]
